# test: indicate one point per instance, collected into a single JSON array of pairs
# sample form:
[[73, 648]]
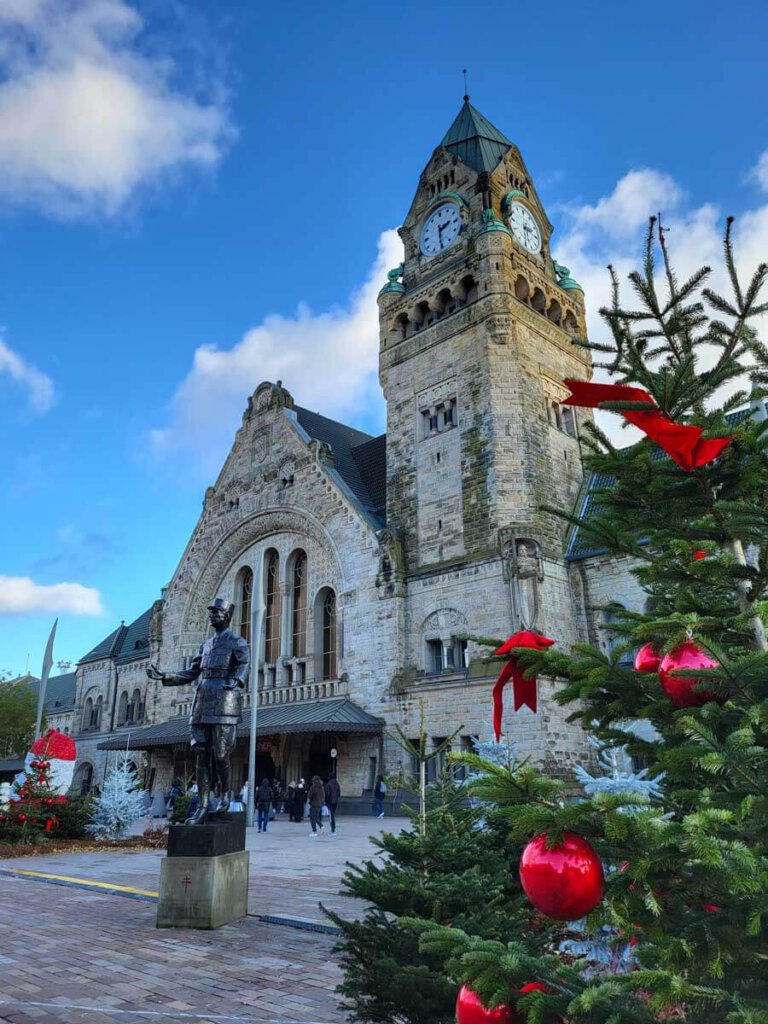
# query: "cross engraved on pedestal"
[[186, 882]]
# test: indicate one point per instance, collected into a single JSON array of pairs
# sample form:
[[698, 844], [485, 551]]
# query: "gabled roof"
[[359, 458], [126, 643], [59, 691], [106, 648], [135, 643], [474, 140]]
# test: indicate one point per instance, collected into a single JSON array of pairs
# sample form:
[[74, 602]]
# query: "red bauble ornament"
[[565, 882], [534, 986], [470, 1010], [680, 689], [647, 660], [22, 817]]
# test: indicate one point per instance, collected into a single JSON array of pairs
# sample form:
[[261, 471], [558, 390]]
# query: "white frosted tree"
[[121, 802]]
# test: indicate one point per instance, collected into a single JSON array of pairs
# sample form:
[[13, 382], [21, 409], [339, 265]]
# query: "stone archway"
[[208, 573]]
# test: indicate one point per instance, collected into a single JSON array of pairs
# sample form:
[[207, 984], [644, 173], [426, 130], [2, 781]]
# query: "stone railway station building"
[[380, 553]]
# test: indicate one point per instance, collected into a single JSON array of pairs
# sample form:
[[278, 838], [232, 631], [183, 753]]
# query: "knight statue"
[[221, 670]]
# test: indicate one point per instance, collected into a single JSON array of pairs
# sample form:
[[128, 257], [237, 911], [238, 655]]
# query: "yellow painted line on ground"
[[84, 881]]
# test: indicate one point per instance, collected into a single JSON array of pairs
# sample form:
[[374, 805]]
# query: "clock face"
[[524, 227], [441, 229]]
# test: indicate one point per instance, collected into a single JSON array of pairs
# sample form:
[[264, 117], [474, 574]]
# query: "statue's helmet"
[[219, 604]]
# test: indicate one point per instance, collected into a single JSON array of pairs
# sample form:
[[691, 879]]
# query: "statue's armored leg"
[[201, 746]]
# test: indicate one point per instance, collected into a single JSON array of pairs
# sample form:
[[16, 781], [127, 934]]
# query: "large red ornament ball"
[[470, 1010], [647, 660], [565, 882], [680, 689]]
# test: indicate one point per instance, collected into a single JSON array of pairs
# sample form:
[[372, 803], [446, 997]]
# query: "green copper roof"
[[474, 140]]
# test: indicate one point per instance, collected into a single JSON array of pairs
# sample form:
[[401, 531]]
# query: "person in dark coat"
[[290, 801], [263, 803], [332, 797], [316, 796], [299, 800]]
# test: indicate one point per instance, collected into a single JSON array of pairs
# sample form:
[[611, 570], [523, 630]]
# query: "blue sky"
[[198, 196]]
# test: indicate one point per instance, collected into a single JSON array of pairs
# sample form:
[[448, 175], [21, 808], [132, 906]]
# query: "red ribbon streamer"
[[523, 690], [682, 443]]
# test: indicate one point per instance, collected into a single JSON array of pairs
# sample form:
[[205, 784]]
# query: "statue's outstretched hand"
[[154, 672]]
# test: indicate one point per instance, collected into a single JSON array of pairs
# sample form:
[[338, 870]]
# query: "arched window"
[[136, 707], [97, 713], [88, 714], [81, 783], [122, 708], [330, 632], [245, 599], [299, 606], [272, 648]]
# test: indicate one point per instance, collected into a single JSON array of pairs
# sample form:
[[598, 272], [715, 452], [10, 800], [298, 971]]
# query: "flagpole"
[[257, 622], [47, 665]]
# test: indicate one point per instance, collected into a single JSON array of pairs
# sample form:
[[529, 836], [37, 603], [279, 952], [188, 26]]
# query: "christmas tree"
[[685, 861], [30, 816], [119, 804]]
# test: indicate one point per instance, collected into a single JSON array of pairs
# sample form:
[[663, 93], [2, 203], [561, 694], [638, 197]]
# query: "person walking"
[[263, 803], [332, 797], [290, 800], [316, 797], [379, 794], [300, 800]]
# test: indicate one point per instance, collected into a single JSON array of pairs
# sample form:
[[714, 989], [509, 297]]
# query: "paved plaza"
[[82, 947]]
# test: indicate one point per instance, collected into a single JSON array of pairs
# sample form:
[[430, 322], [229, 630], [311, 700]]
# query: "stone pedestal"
[[204, 878]]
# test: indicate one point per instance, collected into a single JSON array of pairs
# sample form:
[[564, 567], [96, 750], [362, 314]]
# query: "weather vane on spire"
[[466, 90]]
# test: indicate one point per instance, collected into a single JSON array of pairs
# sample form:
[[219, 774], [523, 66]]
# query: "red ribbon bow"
[[682, 443], [523, 690]]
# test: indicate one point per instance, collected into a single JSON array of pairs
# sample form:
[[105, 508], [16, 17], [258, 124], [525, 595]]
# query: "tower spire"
[[466, 89]]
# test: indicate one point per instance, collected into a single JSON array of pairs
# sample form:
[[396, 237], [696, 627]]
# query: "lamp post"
[[257, 622]]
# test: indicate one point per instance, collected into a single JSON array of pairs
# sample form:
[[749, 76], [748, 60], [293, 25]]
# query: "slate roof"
[[135, 643], [341, 715], [474, 140], [359, 458], [126, 643], [59, 693]]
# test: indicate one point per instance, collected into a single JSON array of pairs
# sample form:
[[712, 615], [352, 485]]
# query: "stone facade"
[[406, 542]]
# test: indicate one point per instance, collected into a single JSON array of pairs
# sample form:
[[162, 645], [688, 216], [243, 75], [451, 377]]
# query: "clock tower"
[[476, 337]]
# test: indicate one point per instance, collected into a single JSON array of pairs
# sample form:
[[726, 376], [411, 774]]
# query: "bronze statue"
[[221, 666]]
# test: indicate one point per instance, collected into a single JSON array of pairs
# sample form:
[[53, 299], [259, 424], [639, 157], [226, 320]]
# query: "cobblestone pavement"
[[74, 956], [290, 873]]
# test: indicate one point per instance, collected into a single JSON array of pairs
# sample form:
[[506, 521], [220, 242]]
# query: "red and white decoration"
[[60, 751]]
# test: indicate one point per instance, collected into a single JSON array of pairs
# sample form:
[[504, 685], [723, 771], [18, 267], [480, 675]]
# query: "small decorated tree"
[[119, 804], [31, 815]]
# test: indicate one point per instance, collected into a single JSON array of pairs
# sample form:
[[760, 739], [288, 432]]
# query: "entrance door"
[[320, 760]]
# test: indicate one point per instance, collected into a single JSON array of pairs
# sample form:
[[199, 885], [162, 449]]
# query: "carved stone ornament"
[[261, 444], [524, 569], [444, 623]]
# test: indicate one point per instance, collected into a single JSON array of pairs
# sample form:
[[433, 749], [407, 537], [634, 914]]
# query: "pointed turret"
[[474, 140]]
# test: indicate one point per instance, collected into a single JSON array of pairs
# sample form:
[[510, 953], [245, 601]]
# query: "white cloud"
[[612, 231], [760, 171], [19, 594], [39, 387], [328, 361], [636, 196], [87, 117]]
